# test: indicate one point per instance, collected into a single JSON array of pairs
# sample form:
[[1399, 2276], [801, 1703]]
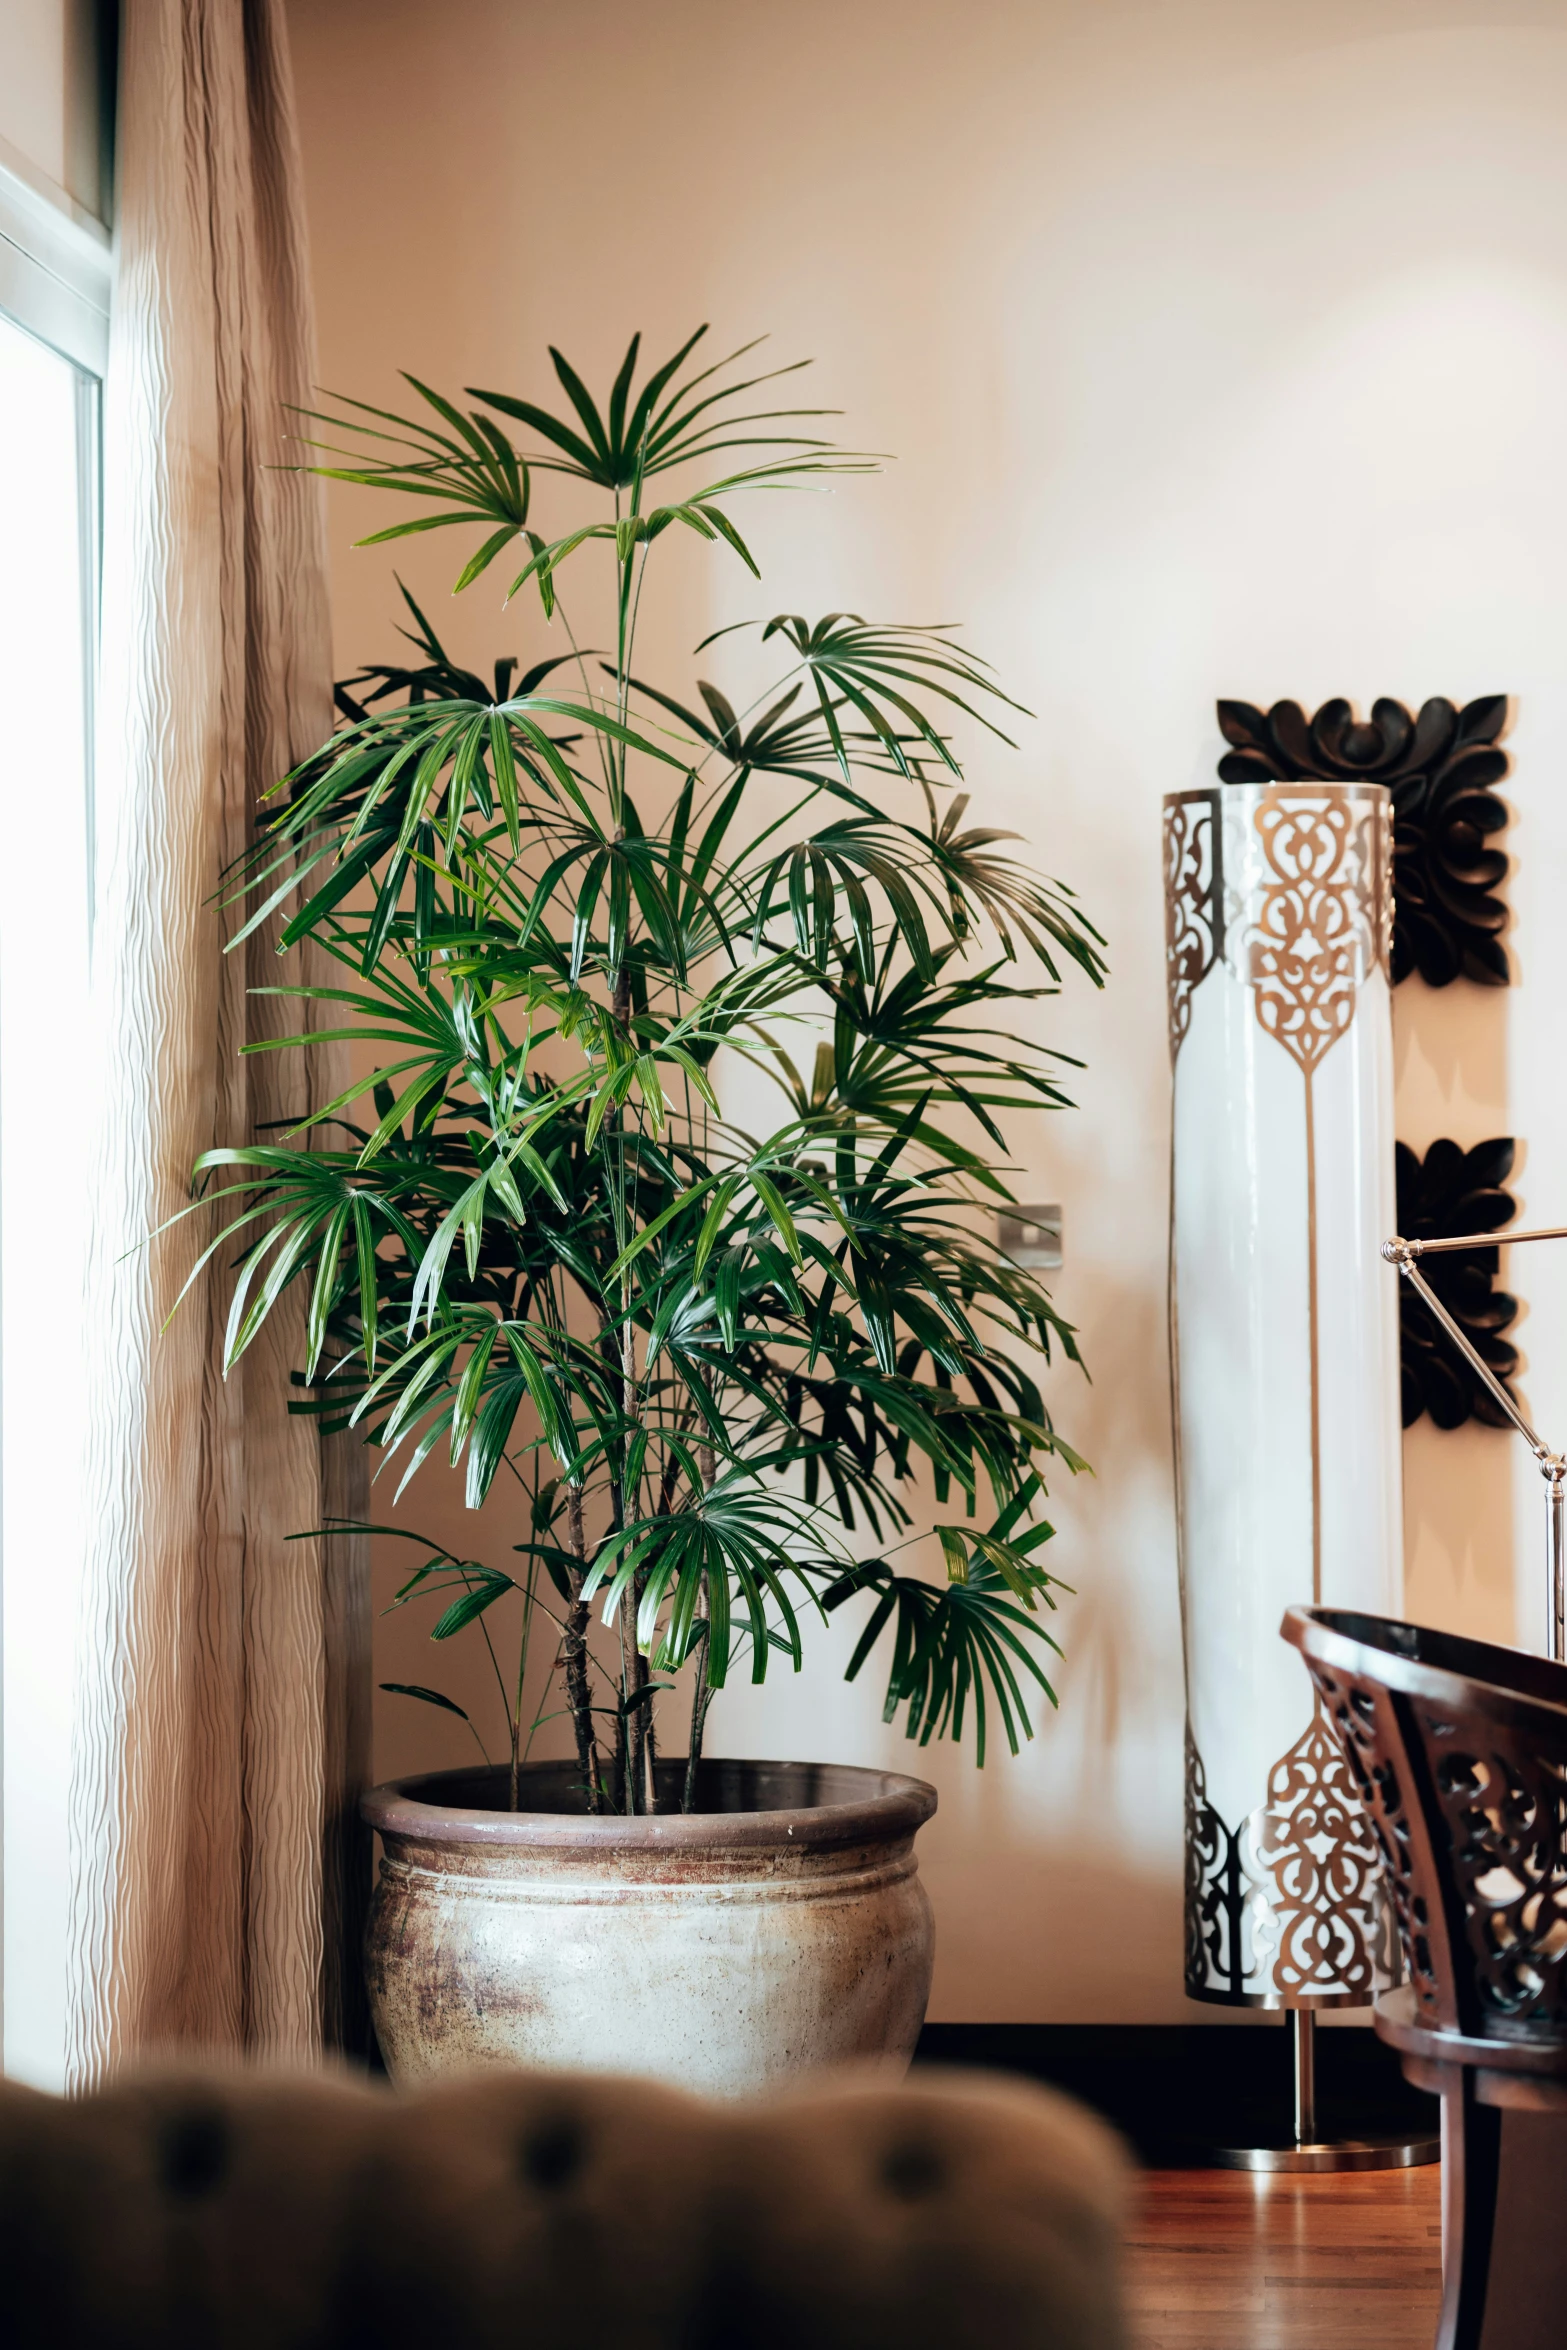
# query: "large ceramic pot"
[[780, 1927]]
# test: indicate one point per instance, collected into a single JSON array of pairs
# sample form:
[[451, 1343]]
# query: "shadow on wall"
[[1450, 1063], [1112, 1682], [1458, 1531]]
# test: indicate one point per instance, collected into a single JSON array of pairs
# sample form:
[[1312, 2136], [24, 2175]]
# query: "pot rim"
[[891, 1805]]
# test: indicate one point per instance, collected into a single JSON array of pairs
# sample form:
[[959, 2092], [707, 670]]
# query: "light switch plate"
[[1031, 1236]]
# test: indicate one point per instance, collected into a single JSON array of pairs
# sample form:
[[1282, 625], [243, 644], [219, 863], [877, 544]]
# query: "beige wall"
[[51, 92], [1223, 348]]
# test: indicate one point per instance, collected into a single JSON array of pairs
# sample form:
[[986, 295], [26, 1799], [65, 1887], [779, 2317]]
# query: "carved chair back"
[[1459, 1752]]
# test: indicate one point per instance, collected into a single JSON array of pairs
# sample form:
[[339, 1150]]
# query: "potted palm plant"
[[711, 1364]]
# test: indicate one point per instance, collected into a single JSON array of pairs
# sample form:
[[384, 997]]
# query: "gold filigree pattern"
[[1192, 900], [1325, 917], [1289, 1908], [1323, 925], [1313, 1859], [1373, 1755]]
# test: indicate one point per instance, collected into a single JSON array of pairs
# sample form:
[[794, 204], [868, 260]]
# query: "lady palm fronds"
[[562, 910]]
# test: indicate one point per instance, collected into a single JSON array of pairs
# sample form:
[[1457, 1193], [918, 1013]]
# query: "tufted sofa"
[[549, 2212]]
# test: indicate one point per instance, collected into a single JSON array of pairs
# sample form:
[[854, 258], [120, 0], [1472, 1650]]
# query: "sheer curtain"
[[222, 1702]]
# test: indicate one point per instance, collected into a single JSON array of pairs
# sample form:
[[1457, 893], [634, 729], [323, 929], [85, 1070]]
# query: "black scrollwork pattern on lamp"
[[1447, 1192], [1442, 767], [1193, 904], [1215, 1894]]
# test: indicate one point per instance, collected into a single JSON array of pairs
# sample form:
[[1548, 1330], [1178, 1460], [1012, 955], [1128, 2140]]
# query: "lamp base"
[[1391, 2153], [1303, 2150]]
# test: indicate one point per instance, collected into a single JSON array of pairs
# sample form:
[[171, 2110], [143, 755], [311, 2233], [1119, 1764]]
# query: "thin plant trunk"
[[702, 1696], [610, 1354], [647, 1777], [631, 1747], [636, 1704], [579, 1692], [699, 1704]]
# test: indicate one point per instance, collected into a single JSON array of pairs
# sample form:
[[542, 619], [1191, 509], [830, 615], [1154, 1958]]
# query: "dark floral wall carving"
[[1442, 767], [1447, 1192]]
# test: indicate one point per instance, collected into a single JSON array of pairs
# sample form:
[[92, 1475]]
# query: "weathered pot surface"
[[780, 1928]]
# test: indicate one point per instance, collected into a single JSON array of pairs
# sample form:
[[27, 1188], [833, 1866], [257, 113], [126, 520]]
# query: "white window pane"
[[43, 973]]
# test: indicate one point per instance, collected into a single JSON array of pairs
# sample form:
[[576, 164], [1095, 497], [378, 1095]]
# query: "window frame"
[[56, 284], [56, 277], [56, 265]]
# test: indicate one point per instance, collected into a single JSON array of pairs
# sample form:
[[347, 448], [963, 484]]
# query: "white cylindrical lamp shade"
[[1284, 1359]]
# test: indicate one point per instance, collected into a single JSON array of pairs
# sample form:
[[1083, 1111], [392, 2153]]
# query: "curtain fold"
[[222, 1676]]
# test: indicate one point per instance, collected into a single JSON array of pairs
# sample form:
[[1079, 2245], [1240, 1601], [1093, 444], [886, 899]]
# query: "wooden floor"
[[1222, 2260]]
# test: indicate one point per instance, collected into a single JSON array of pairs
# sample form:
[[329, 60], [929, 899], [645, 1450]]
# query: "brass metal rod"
[[1556, 1570], [1477, 1361], [1427, 1248]]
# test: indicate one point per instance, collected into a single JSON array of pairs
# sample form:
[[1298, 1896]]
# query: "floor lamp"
[[1284, 1355]]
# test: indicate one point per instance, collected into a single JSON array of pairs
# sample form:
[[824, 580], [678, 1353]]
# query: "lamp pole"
[[1552, 1465]]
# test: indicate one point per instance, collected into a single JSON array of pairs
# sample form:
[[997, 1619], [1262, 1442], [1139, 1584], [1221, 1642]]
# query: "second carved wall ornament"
[[1449, 1191]]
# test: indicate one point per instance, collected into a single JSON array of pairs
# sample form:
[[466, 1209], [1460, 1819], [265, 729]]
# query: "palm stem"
[[579, 1694]]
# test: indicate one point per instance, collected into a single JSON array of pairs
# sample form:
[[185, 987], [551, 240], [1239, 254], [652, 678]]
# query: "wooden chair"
[[1459, 1751]]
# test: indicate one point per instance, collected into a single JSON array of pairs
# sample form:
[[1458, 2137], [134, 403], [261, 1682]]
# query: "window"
[[53, 326]]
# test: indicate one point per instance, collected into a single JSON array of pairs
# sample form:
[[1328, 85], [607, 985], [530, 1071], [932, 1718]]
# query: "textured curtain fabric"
[[222, 1699]]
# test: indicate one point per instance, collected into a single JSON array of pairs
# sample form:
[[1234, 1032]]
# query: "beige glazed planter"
[[780, 1928]]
